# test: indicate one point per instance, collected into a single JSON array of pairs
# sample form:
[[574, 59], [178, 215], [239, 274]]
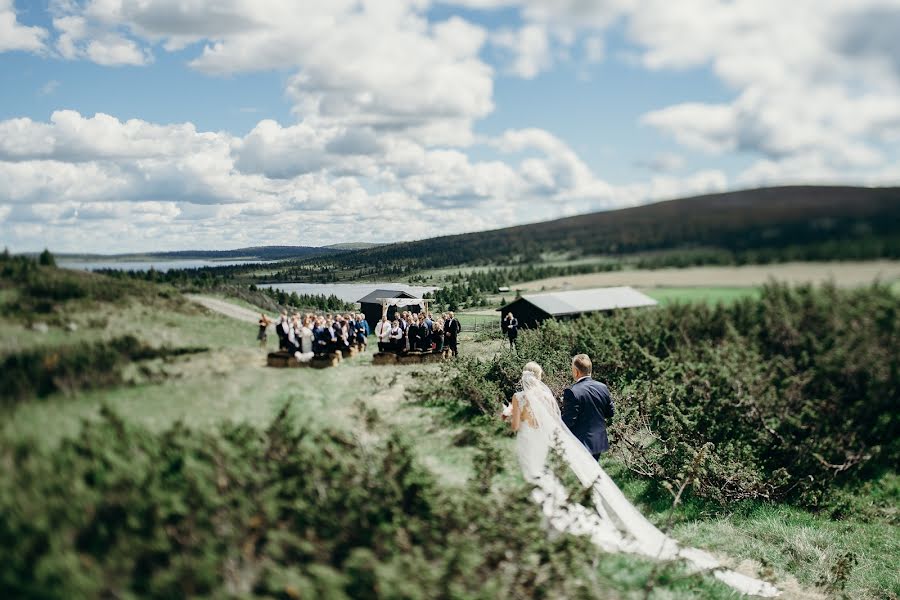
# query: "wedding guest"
[[451, 333], [412, 334], [383, 333], [437, 336], [362, 332], [321, 337], [281, 329], [306, 336], [511, 325], [292, 343], [396, 343], [263, 335]]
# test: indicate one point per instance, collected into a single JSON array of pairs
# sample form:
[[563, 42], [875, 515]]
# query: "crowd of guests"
[[309, 335], [419, 332]]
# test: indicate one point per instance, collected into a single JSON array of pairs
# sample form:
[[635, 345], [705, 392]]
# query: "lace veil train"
[[615, 525]]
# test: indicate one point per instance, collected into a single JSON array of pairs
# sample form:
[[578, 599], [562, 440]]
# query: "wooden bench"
[[324, 361], [284, 360], [384, 358]]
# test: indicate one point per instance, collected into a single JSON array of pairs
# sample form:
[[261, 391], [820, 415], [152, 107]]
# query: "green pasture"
[[708, 295], [230, 382]]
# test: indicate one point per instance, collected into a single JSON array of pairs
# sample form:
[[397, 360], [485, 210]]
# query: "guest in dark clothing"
[[451, 333], [437, 338], [511, 325], [396, 343], [322, 337], [415, 335]]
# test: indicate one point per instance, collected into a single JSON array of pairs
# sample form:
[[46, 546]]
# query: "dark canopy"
[[370, 305]]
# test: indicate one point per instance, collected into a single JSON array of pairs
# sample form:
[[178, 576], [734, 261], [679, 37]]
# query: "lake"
[[348, 292], [159, 265]]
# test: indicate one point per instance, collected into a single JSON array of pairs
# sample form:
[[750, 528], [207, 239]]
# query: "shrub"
[[794, 392], [44, 371], [281, 513]]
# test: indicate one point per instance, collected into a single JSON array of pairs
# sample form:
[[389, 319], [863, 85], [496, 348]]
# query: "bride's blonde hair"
[[535, 369]]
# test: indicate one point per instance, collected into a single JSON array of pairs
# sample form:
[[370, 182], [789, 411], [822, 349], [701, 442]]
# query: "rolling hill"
[[262, 253], [797, 222]]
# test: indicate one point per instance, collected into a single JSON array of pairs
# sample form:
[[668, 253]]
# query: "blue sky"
[[129, 126]]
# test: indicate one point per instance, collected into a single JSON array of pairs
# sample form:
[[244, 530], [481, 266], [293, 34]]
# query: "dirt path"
[[226, 308]]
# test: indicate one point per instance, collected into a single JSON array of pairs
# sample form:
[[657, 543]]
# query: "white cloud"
[[530, 47], [48, 88], [112, 50], [664, 162], [14, 35], [137, 185], [80, 38], [386, 104]]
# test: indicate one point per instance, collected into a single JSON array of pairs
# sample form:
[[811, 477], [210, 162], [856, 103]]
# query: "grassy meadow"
[[221, 409]]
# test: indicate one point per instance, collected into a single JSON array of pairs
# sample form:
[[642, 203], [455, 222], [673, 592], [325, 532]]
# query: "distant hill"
[[794, 222], [261, 253], [352, 246]]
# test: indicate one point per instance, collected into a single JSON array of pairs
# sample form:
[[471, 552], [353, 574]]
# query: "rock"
[[40, 327], [70, 326]]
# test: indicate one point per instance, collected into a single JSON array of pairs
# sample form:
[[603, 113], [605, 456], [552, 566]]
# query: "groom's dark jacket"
[[587, 406]]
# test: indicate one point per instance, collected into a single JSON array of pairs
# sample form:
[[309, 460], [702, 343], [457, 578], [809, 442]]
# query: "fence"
[[477, 324]]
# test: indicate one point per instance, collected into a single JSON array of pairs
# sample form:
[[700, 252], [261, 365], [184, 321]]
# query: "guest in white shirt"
[[383, 333]]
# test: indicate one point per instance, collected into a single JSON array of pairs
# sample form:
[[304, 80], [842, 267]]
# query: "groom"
[[587, 406]]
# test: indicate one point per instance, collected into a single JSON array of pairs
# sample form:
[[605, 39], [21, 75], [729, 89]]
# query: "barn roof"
[[375, 297], [585, 301]]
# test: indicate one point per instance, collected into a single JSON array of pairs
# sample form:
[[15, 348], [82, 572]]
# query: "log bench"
[[284, 360]]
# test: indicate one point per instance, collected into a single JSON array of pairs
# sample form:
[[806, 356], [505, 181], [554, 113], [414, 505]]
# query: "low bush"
[[792, 393], [43, 371], [45, 289], [282, 513]]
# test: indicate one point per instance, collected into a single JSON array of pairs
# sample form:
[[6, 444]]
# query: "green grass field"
[[709, 295], [230, 382]]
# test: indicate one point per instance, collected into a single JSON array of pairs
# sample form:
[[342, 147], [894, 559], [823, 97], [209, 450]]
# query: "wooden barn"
[[532, 309], [371, 305]]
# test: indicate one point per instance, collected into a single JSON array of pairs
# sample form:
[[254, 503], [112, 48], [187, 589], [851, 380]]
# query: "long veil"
[[614, 524]]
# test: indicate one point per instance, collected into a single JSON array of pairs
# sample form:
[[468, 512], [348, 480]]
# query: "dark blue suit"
[[587, 406]]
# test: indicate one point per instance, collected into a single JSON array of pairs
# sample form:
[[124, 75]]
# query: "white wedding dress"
[[613, 524]]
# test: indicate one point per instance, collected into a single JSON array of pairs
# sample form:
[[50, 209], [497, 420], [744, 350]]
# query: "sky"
[[143, 125]]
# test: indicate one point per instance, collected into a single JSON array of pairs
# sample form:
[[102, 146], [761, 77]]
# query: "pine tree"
[[46, 259]]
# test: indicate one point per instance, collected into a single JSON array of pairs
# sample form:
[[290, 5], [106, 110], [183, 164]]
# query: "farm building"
[[530, 310], [372, 307]]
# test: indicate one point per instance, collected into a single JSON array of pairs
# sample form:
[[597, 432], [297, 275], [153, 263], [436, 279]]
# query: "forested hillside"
[[763, 225]]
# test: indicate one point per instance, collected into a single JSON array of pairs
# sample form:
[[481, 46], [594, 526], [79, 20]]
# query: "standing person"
[[306, 336], [414, 334], [263, 335], [451, 333], [362, 331], [396, 338], [587, 406], [282, 330], [383, 333], [511, 325], [321, 337], [438, 336]]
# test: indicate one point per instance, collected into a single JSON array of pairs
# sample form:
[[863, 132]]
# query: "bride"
[[613, 524]]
